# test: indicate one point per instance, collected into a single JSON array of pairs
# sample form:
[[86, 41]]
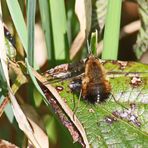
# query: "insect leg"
[[118, 102]]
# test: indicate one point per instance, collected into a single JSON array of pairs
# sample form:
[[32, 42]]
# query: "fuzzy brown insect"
[[95, 87]]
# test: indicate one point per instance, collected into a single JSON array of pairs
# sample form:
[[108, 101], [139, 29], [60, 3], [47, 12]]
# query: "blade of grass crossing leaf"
[[46, 25], [18, 21], [31, 9], [112, 27], [58, 21], [35, 82]]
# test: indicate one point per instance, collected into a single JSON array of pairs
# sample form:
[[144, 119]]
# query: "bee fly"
[[91, 83], [95, 87]]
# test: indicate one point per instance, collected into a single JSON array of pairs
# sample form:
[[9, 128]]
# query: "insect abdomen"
[[96, 93]]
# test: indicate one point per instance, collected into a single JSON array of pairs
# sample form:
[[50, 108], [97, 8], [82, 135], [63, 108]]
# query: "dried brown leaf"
[[6, 144], [36, 124], [64, 106]]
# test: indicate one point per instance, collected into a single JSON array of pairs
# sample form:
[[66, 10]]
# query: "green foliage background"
[[60, 25]]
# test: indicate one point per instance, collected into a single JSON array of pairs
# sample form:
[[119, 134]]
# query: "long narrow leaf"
[[58, 20], [30, 23], [14, 9], [46, 25], [18, 20], [112, 26], [18, 113]]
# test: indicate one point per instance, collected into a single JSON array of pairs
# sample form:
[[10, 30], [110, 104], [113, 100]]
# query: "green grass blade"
[[18, 20], [112, 27], [93, 42], [14, 9], [46, 25], [34, 81], [58, 21], [31, 7]]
